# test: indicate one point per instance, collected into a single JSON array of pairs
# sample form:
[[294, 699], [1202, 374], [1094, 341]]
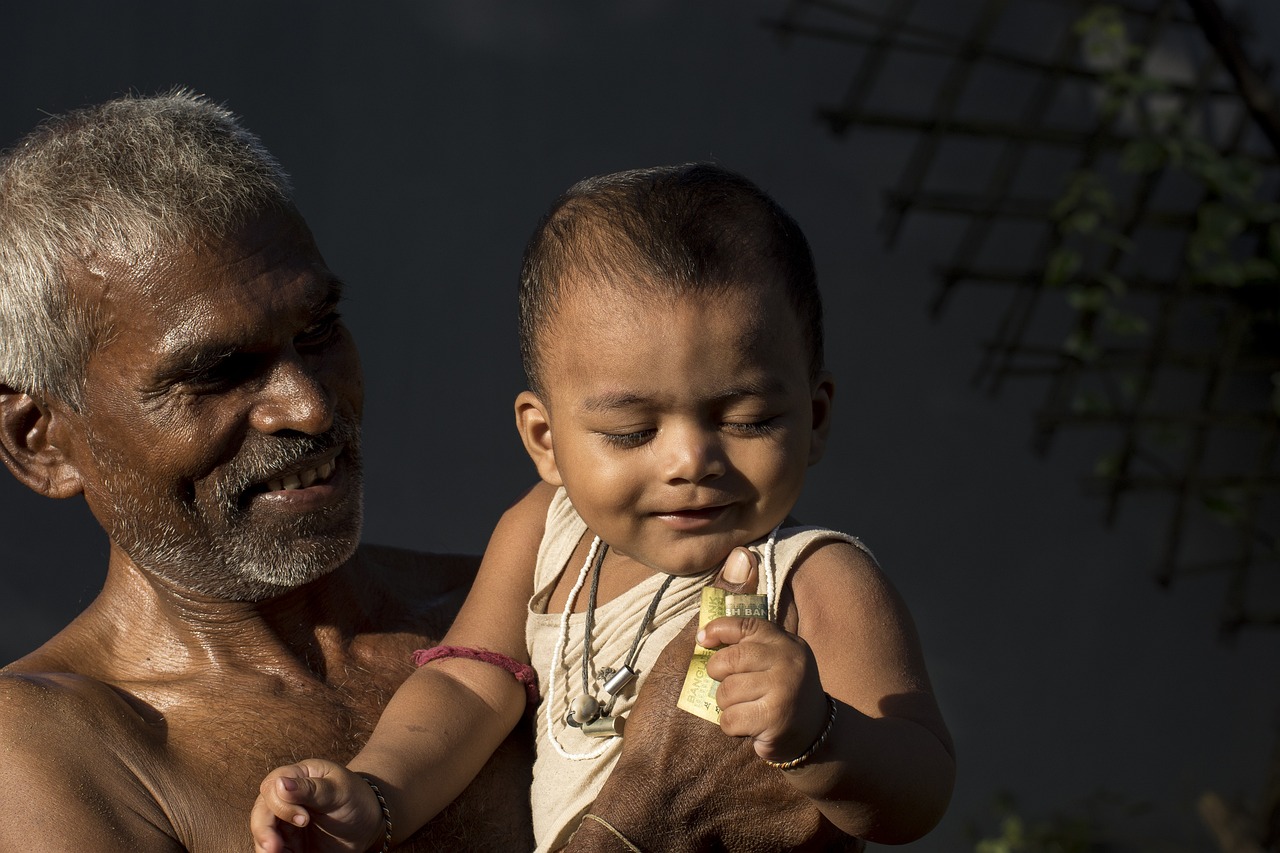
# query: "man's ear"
[[824, 390], [34, 443], [534, 423]]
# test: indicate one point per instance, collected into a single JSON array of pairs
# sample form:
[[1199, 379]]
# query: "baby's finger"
[[731, 630], [264, 825], [283, 795]]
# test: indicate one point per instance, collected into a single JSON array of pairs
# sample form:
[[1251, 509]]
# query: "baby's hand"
[[769, 688], [315, 806]]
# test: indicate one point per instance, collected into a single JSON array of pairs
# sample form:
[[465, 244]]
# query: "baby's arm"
[[886, 768], [439, 728]]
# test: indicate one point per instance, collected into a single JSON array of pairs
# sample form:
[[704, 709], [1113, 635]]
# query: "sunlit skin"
[[681, 429], [223, 372], [236, 629]]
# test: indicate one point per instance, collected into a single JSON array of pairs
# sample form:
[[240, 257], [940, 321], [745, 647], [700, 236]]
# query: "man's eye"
[[223, 373], [627, 439], [320, 333]]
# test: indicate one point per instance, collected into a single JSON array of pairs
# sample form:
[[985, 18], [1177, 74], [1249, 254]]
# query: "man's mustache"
[[266, 457]]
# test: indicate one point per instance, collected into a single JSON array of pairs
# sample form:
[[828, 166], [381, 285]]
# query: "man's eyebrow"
[[333, 295], [189, 357]]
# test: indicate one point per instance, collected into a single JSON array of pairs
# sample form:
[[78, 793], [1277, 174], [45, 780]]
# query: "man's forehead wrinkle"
[[187, 335], [196, 325]]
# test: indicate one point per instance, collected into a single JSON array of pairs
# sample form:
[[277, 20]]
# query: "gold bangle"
[[631, 847], [813, 747], [386, 813]]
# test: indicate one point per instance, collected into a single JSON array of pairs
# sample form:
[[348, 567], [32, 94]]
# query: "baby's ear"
[[824, 390], [34, 442], [534, 424]]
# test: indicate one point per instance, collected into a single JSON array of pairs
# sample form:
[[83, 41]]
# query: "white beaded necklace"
[[557, 655]]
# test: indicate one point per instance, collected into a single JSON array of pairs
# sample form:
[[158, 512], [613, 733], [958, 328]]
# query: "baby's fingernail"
[[299, 819], [738, 567], [288, 784]]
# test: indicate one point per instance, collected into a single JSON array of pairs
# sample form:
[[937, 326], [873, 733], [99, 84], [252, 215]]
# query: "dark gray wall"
[[425, 138]]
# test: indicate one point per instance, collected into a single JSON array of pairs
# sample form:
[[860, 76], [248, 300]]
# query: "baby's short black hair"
[[674, 230]]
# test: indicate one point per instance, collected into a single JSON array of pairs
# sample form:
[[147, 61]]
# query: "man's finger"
[[740, 572]]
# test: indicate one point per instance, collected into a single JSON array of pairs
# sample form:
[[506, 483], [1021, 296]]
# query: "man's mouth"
[[302, 479], [317, 473]]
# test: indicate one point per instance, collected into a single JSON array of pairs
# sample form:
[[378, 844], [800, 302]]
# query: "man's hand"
[[769, 687], [315, 806], [681, 785]]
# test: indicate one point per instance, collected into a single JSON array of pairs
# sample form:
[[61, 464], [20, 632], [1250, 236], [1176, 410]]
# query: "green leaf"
[[1224, 505], [1081, 222], [1090, 403], [1219, 222], [1125, 322], [1107, 467], [1113, 283], [1259, 269], [1081, 345], [1221, 273], [1129, 386], [1087, 298], [1142, 156], [1062, 266]]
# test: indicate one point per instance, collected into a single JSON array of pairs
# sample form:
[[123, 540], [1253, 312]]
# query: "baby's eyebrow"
[[615, 400], [611, 401]]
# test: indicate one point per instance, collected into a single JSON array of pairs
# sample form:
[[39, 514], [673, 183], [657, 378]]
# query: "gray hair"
[[141, 177]]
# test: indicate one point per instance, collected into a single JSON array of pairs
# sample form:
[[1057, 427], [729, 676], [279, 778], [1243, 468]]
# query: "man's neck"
[[188, 634]]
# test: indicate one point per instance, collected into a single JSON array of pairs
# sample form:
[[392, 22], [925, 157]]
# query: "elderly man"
[[170, 348]]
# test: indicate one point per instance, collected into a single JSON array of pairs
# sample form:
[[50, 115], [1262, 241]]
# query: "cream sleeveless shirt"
[[571, 767]]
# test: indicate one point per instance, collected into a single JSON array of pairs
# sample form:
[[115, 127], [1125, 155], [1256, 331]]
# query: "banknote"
[[698, 695]]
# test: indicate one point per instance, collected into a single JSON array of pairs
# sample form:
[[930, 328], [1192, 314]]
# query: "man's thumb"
[[740, 572]]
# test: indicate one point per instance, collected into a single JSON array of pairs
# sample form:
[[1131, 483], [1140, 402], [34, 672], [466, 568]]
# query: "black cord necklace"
[[586, 712]]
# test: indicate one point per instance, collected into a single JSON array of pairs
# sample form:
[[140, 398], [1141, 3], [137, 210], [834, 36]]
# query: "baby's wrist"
[[815, 747], [378, 838]]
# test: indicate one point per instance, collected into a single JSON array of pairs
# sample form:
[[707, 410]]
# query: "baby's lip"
[[694, 511], [304, 474]]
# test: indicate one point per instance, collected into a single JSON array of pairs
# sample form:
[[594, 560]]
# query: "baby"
[[671, 332]]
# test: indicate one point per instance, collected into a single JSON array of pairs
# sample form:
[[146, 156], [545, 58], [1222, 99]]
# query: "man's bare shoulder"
[[66, 716], [74, 749]]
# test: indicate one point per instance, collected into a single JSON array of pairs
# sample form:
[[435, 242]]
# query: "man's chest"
[[212, 754]]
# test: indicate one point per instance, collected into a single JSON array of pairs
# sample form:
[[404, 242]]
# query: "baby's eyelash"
[[751, 428], [627, 439]]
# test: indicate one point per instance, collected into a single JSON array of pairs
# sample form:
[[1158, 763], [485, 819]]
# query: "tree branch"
[[1253, 89]]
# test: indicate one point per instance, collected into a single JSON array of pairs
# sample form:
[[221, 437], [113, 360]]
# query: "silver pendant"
[[604, 726], [619, 680], [582, 710]]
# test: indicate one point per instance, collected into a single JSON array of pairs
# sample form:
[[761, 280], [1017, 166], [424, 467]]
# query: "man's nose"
[[692, 454], [294, 399]]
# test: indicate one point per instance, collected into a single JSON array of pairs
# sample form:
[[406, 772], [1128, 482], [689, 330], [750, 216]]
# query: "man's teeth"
[[301, 479]]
